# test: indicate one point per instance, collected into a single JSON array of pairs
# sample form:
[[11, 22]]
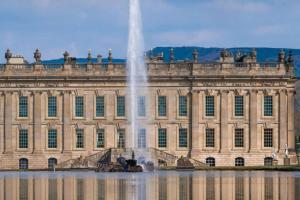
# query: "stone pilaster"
[[195, 123], [37, 128], [67, 118], [283, 117], [224, 121], [290, 116], [253, 120], [8, 123]]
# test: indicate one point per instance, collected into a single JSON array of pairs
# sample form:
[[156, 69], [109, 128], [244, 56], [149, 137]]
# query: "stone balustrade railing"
[[154, 69]]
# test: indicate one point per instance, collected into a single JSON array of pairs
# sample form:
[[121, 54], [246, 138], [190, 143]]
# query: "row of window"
[[162, 138], [141, 108], [210, 161], [239, 161], [238, 137], [100, 138]]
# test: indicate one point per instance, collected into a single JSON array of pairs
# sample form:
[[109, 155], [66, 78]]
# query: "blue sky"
[[80, 25]]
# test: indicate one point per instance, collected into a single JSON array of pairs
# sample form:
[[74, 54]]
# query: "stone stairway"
[[158, 157]]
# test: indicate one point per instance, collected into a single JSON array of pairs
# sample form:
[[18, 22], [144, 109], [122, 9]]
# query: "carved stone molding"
[[51, 125], [158, 92], [22, 126]]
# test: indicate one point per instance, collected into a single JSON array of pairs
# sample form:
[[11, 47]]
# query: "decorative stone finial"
[[281, 56], [253, 53], [37, 56], [195, 56], [8, 54], [172, 57], [99, 58], [110, 58], [66, 56], [89, 58], [290, 58]]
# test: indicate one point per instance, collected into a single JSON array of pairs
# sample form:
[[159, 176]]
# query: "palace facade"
[[232, 112]]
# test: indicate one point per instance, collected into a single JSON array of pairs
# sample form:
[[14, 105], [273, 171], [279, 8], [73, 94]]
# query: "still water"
[[171, 185]]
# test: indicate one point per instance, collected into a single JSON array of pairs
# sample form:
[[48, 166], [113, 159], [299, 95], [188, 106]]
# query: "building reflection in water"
[[161, 186]]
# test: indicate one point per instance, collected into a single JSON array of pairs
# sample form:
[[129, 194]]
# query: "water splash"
[[136, 70]]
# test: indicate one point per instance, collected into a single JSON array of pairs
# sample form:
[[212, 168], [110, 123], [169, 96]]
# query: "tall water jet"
[[137, 75]]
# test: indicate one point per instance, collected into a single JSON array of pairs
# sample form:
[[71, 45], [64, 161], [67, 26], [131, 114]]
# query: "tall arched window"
[[239, 161], [23, 163], [268, 161], [210, 161], [52, 162]]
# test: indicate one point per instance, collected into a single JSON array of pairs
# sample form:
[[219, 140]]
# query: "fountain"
[[136, 72]]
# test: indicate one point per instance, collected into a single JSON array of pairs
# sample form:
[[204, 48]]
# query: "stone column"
[[224, 121], [195, 124], [37, 127], [8, 123], [253, 120], [282, 120], [290, 116], [67, 118]]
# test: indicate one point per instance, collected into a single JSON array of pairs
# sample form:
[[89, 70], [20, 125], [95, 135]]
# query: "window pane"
[[100, 106], [239, 106], [268, 137], [162, 106], [52, 106], [239, 161], [80, 138], [210, 161], [162, 138], [142, 138], [23, 138], [141, 106], [121, 106], [52, 139], [100, 138], [268, 106], [183, 137], [23, 106], [121, 138], [210, 106], [239, 137], [182, 106], [79, 106], [210, 137]]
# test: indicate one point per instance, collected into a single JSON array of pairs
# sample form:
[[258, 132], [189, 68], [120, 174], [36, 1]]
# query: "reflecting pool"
[[161, 185]]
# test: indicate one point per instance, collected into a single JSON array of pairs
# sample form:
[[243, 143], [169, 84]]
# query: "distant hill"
[[213, 54]]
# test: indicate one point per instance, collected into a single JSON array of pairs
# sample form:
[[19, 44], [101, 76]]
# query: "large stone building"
[[234, 111]]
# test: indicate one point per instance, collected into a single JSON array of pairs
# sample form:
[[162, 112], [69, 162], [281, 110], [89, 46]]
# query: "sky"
[[78, 26]]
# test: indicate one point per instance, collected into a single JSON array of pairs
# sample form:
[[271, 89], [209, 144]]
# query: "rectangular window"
[[141, 106], [210, 137], [52, 106], [79, 106], [23, 106], [142, 138], [121, 106], [239, 137], [79, 138], [239, 106], [183, 138], [268, 137], [23, 139], [182, 106], [100, 106], [52, 138], [100, 138], [162, 138], [121, 138], [162, 106], [268, 106], [210, 106]]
